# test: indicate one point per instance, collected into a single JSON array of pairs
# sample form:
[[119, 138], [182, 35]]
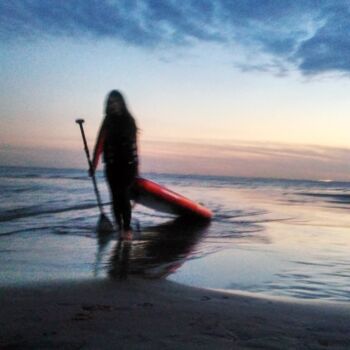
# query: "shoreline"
[[150, 314]]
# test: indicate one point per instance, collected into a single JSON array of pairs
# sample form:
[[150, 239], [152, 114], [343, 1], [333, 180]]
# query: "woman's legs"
[[116, 210], [120, 193], [121, 200]]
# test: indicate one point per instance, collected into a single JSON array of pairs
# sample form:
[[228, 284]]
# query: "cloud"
[[41, 157], [255, 159], [310, 35], [252, 159], [33, 18], [329, 49], [147, 23]]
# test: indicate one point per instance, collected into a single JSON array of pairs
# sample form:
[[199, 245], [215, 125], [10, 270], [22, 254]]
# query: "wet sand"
[[158, 314]]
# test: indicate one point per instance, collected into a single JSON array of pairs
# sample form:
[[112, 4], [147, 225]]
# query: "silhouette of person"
[[117, 140]]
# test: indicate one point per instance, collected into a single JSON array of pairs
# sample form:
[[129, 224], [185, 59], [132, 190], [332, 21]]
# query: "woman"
[[117, 141]]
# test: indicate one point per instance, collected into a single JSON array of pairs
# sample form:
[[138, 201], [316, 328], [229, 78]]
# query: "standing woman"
[[117, 140]]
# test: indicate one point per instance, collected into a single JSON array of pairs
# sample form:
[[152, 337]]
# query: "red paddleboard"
[[152, 195]]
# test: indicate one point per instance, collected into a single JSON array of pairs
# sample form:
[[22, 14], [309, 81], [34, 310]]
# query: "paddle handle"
[[80, 122]]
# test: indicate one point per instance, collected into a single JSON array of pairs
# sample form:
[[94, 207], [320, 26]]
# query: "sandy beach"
[[147, 314]]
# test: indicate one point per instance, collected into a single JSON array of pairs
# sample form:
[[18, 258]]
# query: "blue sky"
[[238, 80]]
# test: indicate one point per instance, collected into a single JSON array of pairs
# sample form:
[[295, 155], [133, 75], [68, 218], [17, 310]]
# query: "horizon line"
[[184, 174]]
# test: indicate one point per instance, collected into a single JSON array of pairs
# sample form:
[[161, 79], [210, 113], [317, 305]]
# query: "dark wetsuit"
[[117, 140], [120, 156]]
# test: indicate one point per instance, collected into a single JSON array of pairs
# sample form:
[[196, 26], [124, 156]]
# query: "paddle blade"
[[104, 225]]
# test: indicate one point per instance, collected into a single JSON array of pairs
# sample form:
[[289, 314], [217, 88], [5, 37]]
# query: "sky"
[[238, 88]]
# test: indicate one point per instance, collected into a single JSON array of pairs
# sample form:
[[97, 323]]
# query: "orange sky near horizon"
[[198, 109]]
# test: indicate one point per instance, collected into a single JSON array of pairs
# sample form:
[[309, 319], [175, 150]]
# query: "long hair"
[[116, 95], [124, 122]]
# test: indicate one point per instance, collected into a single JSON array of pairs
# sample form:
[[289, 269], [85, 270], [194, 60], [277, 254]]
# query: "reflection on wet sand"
[[119, 261], [159, 251], [103, 241]]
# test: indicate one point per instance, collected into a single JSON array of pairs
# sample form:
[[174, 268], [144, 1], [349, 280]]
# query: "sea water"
[[271, 236]]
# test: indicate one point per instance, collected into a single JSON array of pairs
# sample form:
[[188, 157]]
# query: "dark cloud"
[[77, 18], [329, 49], [147, 23], [308, 34]]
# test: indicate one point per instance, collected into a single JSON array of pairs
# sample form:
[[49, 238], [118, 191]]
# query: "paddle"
[[104, 225]]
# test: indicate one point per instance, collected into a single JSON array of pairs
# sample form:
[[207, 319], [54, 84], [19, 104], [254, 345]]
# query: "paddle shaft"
[[86, 148]]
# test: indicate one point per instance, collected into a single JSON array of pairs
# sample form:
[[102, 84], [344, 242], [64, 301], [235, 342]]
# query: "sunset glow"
[[232, 98]]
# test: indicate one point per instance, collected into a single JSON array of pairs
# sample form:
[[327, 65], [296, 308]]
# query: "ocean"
[[288, 238]]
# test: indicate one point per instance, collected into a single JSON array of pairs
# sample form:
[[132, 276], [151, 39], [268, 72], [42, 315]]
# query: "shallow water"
[[278, 237]]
